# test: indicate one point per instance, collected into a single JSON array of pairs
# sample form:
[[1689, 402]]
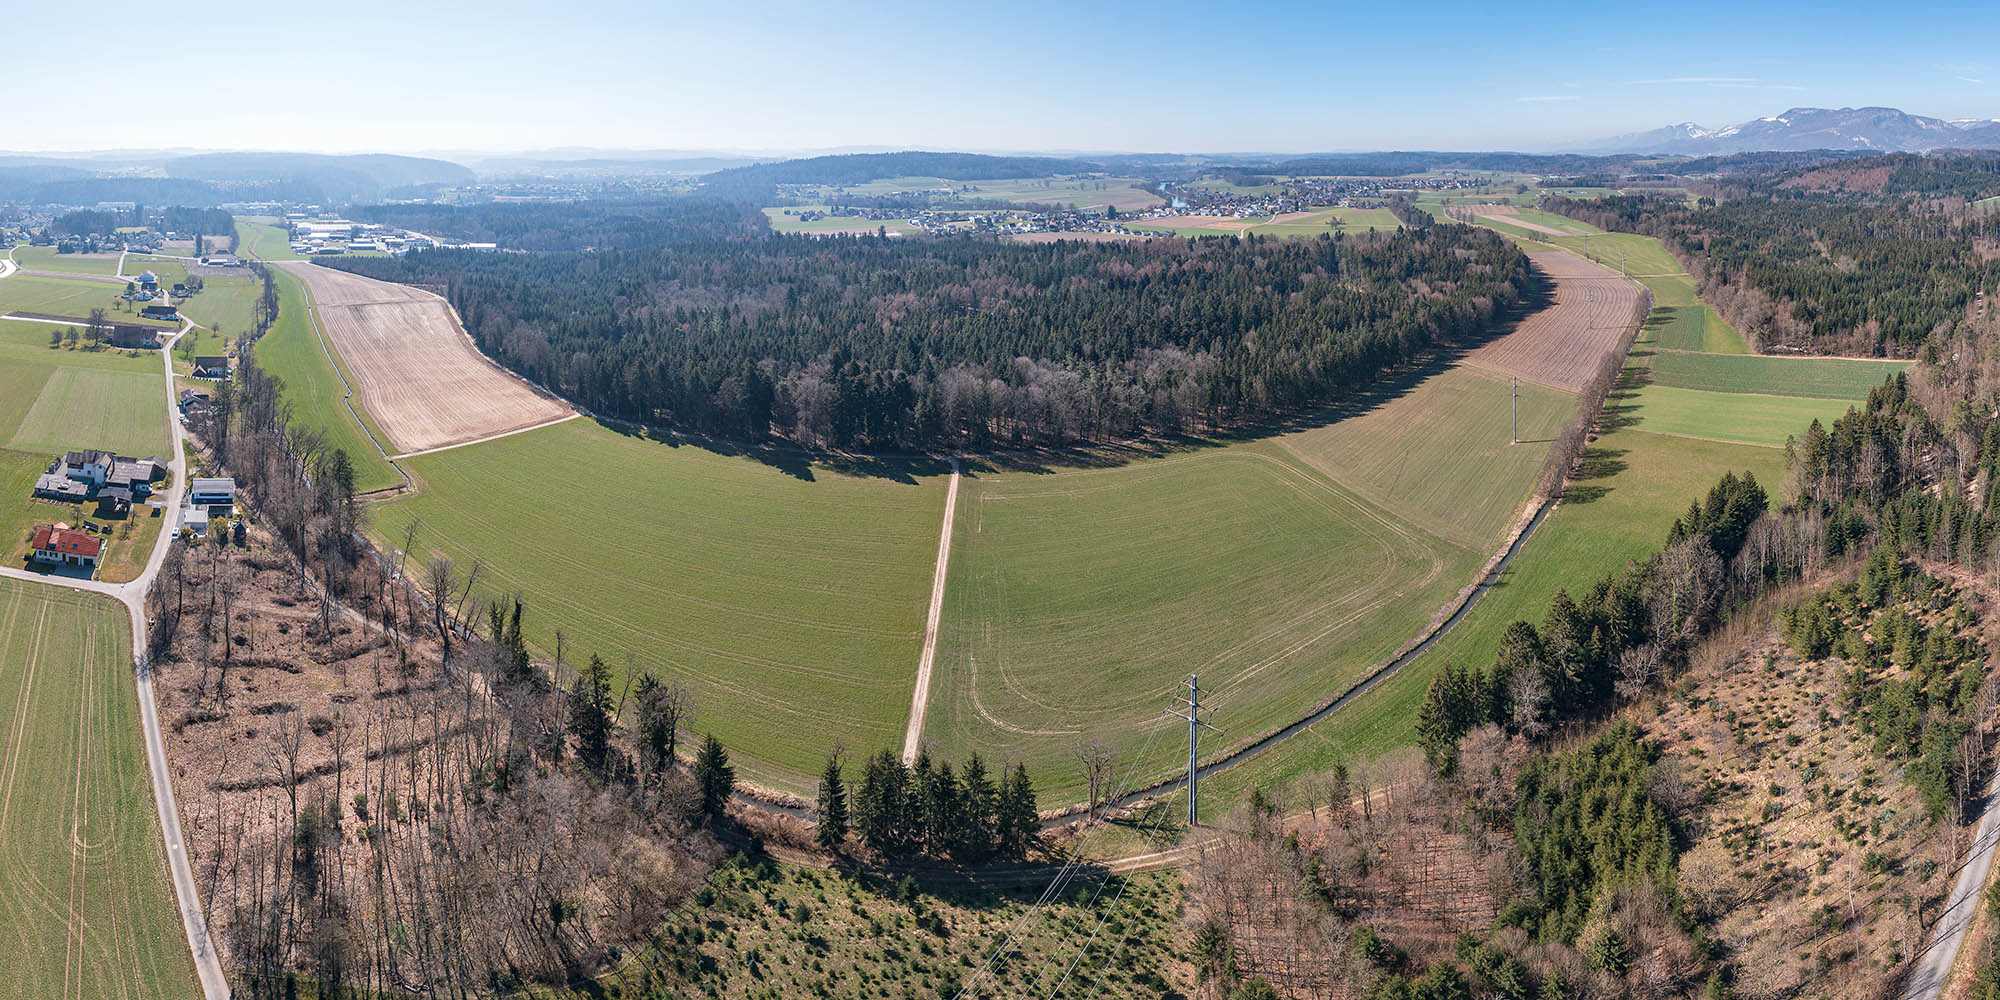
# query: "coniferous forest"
[[887, 343]]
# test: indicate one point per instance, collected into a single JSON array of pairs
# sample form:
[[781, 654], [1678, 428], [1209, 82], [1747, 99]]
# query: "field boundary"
[[346, 387]]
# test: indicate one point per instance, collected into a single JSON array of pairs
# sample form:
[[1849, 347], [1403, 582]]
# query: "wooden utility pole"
[[1515, 391]]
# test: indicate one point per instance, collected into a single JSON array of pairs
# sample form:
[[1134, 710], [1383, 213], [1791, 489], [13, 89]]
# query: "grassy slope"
[[98, 921], [1352, 220], [1079, 599], [791, 596], [292, 352]]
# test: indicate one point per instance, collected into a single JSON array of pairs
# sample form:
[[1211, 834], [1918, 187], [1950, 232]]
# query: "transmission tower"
[[1195, 726]]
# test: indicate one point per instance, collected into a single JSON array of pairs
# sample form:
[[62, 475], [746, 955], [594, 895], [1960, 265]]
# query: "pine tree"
[[832, 806], [879, 806], [941, 810], [714, 777]]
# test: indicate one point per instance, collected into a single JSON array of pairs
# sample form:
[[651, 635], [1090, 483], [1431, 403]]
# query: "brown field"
[[1562, 346], [1080, 237], [414, 369]]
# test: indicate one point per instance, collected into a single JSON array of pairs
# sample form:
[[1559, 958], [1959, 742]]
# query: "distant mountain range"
[[1885, 130]]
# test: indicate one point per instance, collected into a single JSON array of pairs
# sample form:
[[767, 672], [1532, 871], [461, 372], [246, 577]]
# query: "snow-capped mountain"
[[1884, 129]]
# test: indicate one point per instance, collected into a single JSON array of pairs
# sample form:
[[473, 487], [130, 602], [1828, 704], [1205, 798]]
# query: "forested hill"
[[755, 182], [930, 343]]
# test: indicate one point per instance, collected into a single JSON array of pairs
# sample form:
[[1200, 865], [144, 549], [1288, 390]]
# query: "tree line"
[[928, 809], [961, 342]]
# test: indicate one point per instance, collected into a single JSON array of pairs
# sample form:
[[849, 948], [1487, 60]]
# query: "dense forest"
[[933, 343], [1816, 274], [174, 218]]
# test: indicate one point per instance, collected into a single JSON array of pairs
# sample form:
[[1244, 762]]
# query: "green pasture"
[[90, 911], [1695, 327], [33, 258], [226, 302], [790, 594], [1819, 378], [1743, 418], [75, 299], [76, 408], [782, 223], [260, 238], [1352, 220]]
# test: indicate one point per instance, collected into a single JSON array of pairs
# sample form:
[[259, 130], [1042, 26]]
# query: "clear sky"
[[415, 75]]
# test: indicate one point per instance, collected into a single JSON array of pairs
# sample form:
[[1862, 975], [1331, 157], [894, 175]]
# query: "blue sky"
[[368, 75]]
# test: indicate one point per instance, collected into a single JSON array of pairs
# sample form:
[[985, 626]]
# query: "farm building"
[[211, 366], [212, 492], [132, 336], [56, 545], [148, 280], [159, 312]]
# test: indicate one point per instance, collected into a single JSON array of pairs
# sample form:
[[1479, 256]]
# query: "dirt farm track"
[[416, 372], [1561, 347]]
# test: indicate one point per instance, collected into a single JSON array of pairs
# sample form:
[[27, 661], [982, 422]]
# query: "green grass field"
[[123, 412], [75, 299], [292, 352], [260, 237], [782, 223], [170, 272], [1352, 220], [1084, 193], [1078, 600], [32, 258], [1435, 451], [227, 303], [1695, 328], [791, 596], [1819, 378], [90, 912], [1742, 418]]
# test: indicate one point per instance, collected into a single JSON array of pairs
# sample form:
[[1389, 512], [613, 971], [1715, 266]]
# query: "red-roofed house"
[[59, 546]]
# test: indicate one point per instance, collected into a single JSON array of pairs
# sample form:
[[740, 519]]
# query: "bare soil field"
[[1562, 345], [415, 370]]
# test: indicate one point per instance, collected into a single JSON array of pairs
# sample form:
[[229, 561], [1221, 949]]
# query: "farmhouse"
[[159, 312], [132, 336], [211, 366], [80, 475], [57, 545]]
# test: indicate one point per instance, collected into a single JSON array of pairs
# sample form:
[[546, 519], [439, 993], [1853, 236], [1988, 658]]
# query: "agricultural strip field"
[[1563, 346], [1695, 328], [790, 595], [292, 352], [94, 408], [1735, 417], [1820, 378], [90, 910], [261, 238], [32, 258], [419, 376]]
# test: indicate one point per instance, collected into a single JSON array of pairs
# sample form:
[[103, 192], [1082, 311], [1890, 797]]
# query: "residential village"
[[112, 488]]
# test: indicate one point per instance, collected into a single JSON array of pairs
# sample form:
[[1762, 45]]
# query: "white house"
[[212, 492]]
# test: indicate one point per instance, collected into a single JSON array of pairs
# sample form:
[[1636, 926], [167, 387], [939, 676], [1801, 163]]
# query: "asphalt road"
[[1934, 963], [133, 595]]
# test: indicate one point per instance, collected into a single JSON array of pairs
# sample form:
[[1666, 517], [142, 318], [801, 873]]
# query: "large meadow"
[[90, 911]]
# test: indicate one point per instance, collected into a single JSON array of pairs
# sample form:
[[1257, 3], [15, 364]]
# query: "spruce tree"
[[714, 777], [590, 721], [1019, 818], [978, 813], [832, 806]]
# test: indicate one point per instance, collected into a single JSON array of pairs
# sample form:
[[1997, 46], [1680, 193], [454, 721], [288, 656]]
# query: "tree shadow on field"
[[1597, 464], [799, 463], [1621, 404]]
